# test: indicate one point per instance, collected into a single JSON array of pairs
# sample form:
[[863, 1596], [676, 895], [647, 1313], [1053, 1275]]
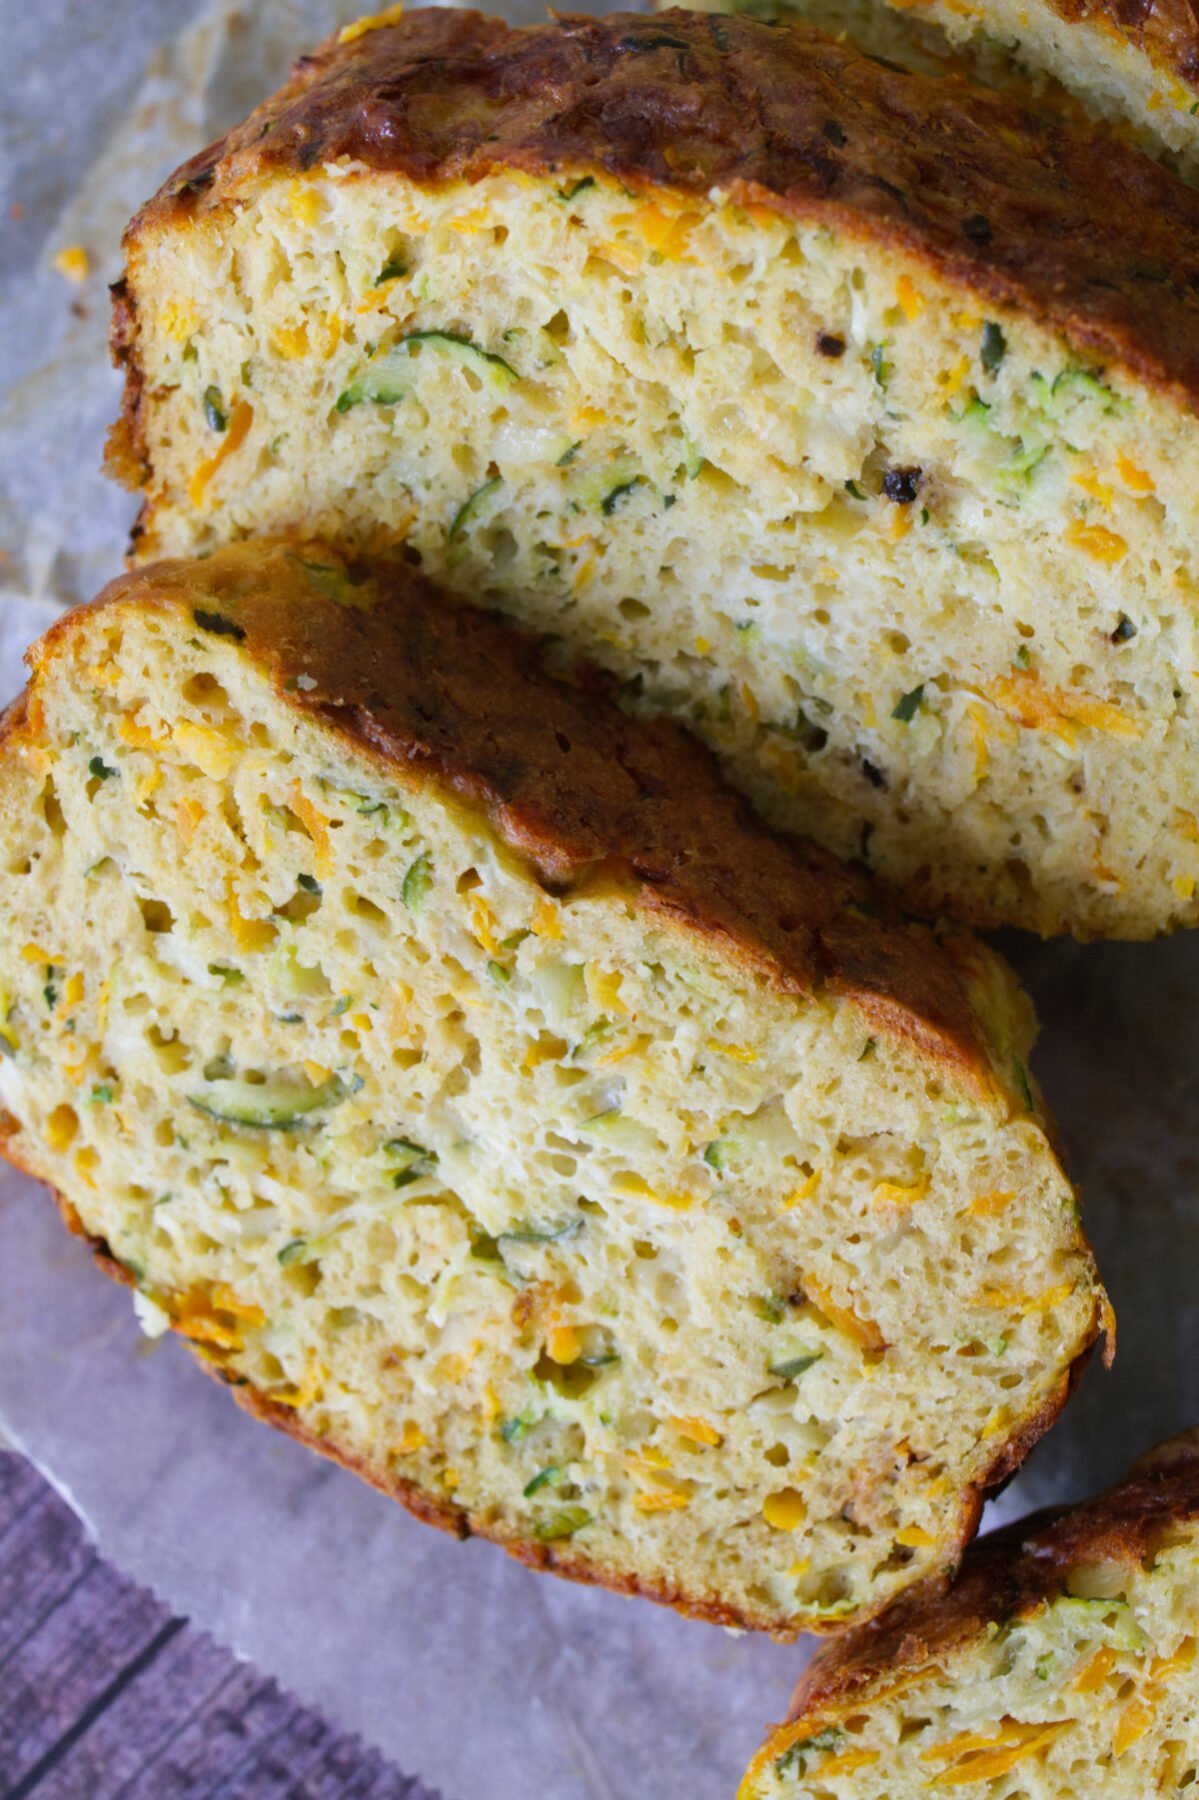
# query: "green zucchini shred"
[[470, 506], [794, 1760], [417, 882], [562, 1524], [214, 409], [908, 705], [994, 347], [218, 624], [513, 1430], [552, 1476], [280, 1105], [792, 1367], [411, 1162], [541, 1234], [386, 378], [614, 496]]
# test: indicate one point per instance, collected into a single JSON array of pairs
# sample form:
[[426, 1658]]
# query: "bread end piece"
[[1065, 1654]]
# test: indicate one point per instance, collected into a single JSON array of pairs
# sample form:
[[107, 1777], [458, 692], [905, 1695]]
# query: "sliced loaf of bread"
[[845, 413], [499, 1109]]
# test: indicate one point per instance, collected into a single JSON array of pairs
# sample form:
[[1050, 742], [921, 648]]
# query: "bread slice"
[[846, 414], [1061, 1667], [497, 1108], [1135, 68]]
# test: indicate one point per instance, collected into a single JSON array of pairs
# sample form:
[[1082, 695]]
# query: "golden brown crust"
[[585, 794], [1165, 31], [1015, 206], [124, 452], [1007, 1574]]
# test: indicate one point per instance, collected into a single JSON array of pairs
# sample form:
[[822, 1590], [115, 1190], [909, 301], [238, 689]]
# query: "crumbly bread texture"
[[846, 414], [1136, 68], [456, 1064], [1062, 1666]]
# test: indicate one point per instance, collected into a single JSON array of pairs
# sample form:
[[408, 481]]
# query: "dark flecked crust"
[[589, 798], [1023, 211], [1007, 1574], [1166, 31]]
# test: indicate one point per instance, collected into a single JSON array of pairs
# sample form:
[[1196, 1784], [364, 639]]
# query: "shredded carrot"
[[620, 256], [803, 1192], [250, 934], [863, 1331], [847, 1762], [982, 1763], [910, 299], [1041, 708], [894, 1193], [1096, 1671], [698, 1430], [1097, 541], [661, 1500], [316, 825], [1134, 478], [239, 425], [1133, 1723]]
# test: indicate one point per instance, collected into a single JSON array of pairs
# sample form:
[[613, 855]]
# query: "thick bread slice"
[[1062, 1666], [454, 1062], [847, 414], [1134, 67]]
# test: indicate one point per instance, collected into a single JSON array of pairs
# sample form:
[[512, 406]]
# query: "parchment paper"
[[490, 1682]]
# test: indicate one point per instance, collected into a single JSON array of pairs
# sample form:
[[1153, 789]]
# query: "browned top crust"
[[1166, 31], [452, 694], [1100, 244], [1006, 1575]]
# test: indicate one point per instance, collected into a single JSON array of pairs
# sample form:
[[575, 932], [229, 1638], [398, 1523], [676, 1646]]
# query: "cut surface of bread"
[[456, 1064], [846, 414], [1137, 69], [1062, 1666]]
